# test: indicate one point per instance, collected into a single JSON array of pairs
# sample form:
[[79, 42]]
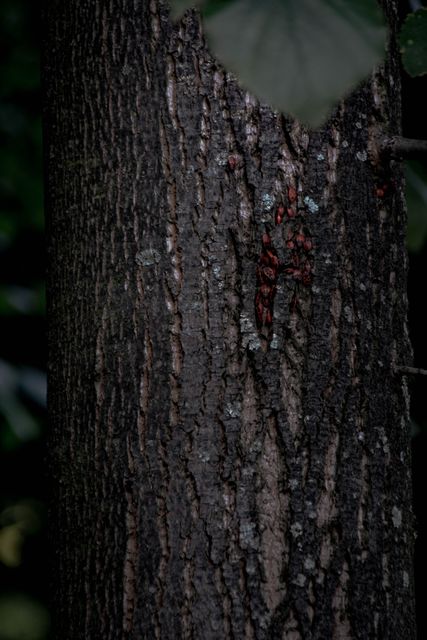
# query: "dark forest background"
[[24, 553]]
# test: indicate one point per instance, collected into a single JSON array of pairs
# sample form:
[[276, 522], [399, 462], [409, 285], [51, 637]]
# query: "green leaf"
[[416, 200], [413, 43], [209, 7], [300, 56], [22, 618]]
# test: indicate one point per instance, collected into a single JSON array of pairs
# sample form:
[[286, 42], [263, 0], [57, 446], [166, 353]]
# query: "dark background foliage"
[[24, 550]]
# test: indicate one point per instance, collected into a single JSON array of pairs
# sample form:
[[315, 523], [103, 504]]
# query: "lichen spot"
[[362, 156], [311, 205], [296, 529], [396, 516], [147, 258], [267, 201]]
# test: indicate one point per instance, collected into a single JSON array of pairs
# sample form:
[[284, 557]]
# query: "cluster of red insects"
[[267, 273], [299, 268]]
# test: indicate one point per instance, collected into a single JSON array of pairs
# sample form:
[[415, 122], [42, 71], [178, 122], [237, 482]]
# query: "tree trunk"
[[216, 477]]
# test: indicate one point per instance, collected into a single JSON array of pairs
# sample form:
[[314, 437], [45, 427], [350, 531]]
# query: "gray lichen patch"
[[248, 535], [396, 516], [274, 344], [249, 334], [147, 258], [296, 529], [300, 580], [218, 275], [362, 156], [311, 204], [233, 410], [222, 158], [267, 200], [348, 314], [254, 343]]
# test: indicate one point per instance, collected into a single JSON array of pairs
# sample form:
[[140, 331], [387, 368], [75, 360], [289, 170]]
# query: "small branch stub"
[[403, 147], [411, 371]]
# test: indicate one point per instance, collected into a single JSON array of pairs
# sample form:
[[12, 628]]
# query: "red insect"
[[383, 188], [279, 214], [273, 260], [292, 194], [307, 277], [308, 245], [300, 239], [295, 273], [232, 162], [266, 240], [381, 191], [266, 274]]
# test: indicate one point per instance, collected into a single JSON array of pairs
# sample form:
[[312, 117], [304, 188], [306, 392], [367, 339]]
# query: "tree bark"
[[215, 477]]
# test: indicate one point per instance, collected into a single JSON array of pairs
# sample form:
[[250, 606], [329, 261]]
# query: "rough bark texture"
[[213, 480]]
